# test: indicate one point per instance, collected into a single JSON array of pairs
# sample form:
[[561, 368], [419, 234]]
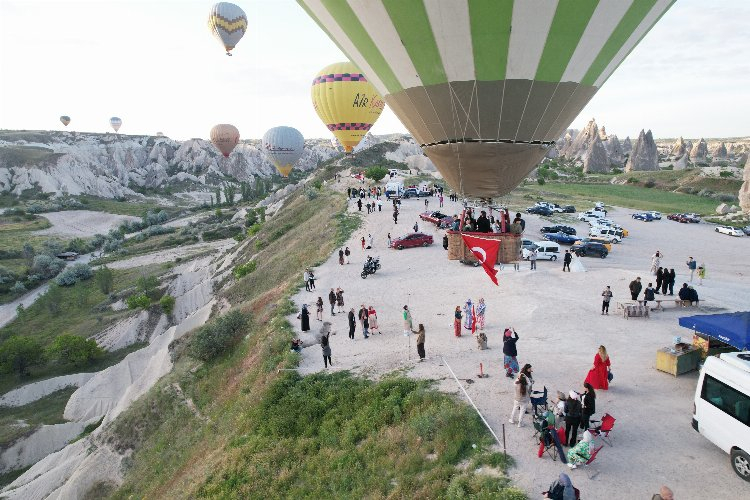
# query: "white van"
[[721, 408], [394, 189], [590, 216], [545, 250]]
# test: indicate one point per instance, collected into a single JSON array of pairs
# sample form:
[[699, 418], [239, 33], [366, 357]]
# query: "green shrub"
[[376, 173], [74, 349], [167, 304], [17, 354], [540, 180], [218, 337], [137, 301], [46, 266], [105, 278], [253, 230], [649, 183], [318, 184], [617, 171], [726, 174], [633, 180], [74, 274], [244, 269]]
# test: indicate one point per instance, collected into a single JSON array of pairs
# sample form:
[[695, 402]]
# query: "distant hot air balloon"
[[160, 134], [346, 102], [283, 146], [228, 24], [486, 102], [115, 123], [65, 120], [225, 137]]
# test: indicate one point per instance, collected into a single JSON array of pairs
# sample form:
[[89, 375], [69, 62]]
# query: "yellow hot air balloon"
[[225, 137], [228, 23], [346, 102], [65, 120]]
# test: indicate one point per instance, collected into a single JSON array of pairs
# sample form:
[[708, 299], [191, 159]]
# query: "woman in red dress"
[[597, 376]]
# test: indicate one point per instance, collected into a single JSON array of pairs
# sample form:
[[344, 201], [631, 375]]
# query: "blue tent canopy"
[[731, 328]]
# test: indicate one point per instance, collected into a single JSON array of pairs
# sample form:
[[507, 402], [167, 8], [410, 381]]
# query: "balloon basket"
[[510, 247]]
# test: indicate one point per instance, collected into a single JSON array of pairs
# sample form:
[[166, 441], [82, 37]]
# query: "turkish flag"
[[485, 250]]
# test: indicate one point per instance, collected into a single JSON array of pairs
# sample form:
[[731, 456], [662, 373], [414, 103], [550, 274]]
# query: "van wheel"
[[741, 463], [554, 257]]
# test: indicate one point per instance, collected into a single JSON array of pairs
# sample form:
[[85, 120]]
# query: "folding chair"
[[540, 402], [590, 460], [547, 443], [602, 431]]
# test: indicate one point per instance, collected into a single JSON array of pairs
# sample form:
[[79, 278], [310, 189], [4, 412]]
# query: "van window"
[[727, 399]]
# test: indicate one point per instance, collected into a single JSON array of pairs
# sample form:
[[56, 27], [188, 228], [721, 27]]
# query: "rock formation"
[[699, 151], [582, 142], [614, 150], [603, 133], [720, 151], [679, 148], [644, 156], [595, 160], [745, 189], [627, 146], [682, 162]]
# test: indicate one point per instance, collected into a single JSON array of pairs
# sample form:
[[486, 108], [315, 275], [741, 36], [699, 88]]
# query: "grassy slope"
[[135, 208], [260, 433], [45, 411]]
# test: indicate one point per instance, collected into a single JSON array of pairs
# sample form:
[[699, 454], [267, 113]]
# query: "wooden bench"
[[686, 303]]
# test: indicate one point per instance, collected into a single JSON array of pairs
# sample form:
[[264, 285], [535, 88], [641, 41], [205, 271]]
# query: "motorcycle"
[[371, 265]]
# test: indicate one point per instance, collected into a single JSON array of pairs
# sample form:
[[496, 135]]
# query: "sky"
[[156, 65]]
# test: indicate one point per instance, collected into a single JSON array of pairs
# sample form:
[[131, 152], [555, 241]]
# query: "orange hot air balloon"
[[225, 137], [65, 120]]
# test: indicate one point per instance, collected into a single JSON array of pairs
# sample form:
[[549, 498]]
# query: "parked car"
[[412, 240], [591, 249], [607, 235], [590, 239], [539, 210], [434, 217], [411, 193], [655, 215], [545, 250], [558, 229], [731, 231], [568, 209], [645, 216], [692, 218], [447, 222], [527, 244], [604, 230], [684, 218], [589, 216], [746, 230], [563, 238]]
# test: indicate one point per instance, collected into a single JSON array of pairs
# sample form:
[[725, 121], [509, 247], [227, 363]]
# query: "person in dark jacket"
[[665, 281], [359, 205], [362, 315], [635, 288], [420, 342], [648, 294], [304, 316], [659, 279], [572, 417], [510, 352], [567, 260], [332, 301], [483, 223], [672, 278], [352, 323], [692, 294], [588, 404], [445, 241], [519, 220], [326, 346]]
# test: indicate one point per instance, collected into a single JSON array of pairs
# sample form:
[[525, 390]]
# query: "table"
[[676, 361], [634, 311]]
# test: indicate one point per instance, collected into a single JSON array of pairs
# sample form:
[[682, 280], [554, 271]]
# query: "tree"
[[147, 284], [376, 173], [74, 349], [167, 304], [17, 354], [53, 299], [105, 279], [218, 196], [139, 300], [246, 193], [230, 190], [28, 253]]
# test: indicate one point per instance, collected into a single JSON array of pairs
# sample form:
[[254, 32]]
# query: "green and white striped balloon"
[[486, 86]]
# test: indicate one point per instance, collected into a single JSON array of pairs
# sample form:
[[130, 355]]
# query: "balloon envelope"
[[346, 102], [228, 23], [65, 120], [283, 146], [115, 123], [225, 137], [484, 101]]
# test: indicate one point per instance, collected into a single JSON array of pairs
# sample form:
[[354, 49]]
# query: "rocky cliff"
[[645, 155], [745, 189], [699, 151], [596, 159]]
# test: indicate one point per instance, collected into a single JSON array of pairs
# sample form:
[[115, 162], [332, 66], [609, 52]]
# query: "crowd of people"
[[664, 279]]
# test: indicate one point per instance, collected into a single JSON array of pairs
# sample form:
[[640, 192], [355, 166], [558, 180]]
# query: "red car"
[[434, 217], [412, 240]]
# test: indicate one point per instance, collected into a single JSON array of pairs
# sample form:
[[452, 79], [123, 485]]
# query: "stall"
[[716, 333]]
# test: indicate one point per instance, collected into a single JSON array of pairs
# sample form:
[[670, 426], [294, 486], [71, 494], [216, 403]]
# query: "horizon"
[[73, 62]]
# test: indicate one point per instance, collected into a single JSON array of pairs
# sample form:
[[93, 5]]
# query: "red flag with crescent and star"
[[485, 250]]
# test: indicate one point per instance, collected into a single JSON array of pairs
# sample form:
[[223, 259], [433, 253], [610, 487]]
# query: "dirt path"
[[81, 223]]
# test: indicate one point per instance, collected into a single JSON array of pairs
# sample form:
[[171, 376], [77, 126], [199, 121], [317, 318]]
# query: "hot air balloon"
[[486, 102], [346, 102], [228, 24], [283, 146], [115, 123], [225, 137], [65, 120]]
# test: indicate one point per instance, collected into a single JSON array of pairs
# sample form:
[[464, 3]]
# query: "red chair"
[[602, 431], [590, 460]]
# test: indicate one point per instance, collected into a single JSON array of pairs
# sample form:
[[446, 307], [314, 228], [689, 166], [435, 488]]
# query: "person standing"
[[656, 261], [363, 242], [326, 346], [304, 316], [533, 254], [566, 260], [389, 240], [457, 322], [692, 265], [522, 397], [395, 216], [635, 288], [510, 352], [659, 279], [341, 256], [312, 280], [416, 227], [598, 376], [468, 314], [420, 342], [441, 201], [701, 273], [672, 278], [362, 316], [319, 309], [481, 309], [352, 323], [664, 281], [368, 207], [306, 278], [426, 203], [332, 301], [588, 405], [407, 321], [359, 204], [369, 241], [606, 297], [340, 299], [347, 253], [372, 317], [445, 241], [648, 294], [380, 204], [572, 417]]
